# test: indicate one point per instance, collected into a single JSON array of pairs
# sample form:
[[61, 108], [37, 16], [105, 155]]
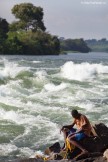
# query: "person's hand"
[[62, 129], [72, 134]]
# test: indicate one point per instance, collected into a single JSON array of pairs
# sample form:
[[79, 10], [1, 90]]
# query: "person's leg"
[[75, 143], [65, 136], [66, 133]]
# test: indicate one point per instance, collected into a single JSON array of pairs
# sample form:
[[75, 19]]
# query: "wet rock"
[[105, 155], [95, 145], [54, 148]]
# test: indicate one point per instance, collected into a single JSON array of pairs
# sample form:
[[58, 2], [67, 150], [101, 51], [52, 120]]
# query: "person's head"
[[75, 114]]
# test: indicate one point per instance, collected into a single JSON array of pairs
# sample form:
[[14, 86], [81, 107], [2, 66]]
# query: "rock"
[[92, 144], [55, 148], [97, 144], [105, 155], [100, 159]]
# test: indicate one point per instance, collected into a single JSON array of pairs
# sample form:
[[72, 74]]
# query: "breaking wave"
[[83, 71]]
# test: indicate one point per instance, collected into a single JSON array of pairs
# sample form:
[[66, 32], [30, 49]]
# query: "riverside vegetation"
[[28, 35], [98, 45]]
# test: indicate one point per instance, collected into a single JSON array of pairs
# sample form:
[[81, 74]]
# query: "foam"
[[6, 149], [51, 87], [37, 62], [45, 106], [27, 152], [83, 71], [11, 70], [40, 75]]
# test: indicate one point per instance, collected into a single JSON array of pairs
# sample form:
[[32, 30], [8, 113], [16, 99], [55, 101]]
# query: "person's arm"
[[67, 126], [78, 131], [84, 124]]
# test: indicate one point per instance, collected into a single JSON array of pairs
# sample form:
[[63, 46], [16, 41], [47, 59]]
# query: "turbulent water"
[[37, 95]]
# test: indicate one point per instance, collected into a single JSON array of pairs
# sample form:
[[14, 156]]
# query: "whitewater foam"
[[51, 87], [37, 100], [6, 149], [11, 70], [83, 71]]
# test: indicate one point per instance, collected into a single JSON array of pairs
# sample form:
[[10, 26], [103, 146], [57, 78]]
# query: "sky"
[[68, 18]]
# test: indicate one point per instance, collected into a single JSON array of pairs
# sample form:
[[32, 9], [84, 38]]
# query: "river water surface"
[[37, 94]]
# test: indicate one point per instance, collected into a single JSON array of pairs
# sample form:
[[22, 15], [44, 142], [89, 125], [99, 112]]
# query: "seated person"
[[74, 135]]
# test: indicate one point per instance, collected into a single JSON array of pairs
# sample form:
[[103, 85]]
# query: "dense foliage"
[[98, 45], [29, 17], [78, 45], [28, 34], [4, 28]]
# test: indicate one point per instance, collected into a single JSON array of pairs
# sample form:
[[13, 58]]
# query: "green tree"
[[12, 44], [30, 17], [39, 43], [74, 45], [4, 28]]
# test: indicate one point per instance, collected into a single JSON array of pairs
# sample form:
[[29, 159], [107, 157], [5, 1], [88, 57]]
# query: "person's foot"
[[63, 149], [85, 152]]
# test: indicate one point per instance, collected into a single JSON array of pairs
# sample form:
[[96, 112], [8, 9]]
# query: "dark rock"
[[95, 145], [100, 159], [55, 147]]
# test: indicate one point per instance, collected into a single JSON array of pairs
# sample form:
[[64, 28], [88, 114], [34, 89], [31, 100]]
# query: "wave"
[[11, 70], [41, 75], [36, 62], [83, 71], [6, 149], [51, 87]]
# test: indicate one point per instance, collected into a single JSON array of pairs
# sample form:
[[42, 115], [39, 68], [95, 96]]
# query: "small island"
[[28, 36]]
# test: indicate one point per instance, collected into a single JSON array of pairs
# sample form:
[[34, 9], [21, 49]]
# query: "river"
[[37, 94]]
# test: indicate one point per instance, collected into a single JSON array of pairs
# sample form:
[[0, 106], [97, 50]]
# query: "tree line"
[[27, 35], [98, 45], [76, 45]]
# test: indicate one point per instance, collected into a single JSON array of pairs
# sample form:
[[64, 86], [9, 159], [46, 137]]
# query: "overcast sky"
[[68, 18]]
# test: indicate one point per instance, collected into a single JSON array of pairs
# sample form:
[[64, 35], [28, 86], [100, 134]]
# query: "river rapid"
[[37, 94]]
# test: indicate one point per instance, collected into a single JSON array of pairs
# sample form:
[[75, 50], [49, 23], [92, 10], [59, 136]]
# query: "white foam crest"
[[37, 62], [51, 87], [87, 106], [11, 70], [6, 149], [83, 71], [53, 134], [41, 75], [8, 90], [39, 152], [25, 119], [33, 108], [25, 151], [11, 101], [10, 116]]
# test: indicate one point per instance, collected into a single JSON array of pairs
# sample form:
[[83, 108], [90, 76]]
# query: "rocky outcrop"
[[95, 145]]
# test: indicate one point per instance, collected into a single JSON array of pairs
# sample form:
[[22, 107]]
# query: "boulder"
[[99, 143], [105, 155], [93, 144]]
